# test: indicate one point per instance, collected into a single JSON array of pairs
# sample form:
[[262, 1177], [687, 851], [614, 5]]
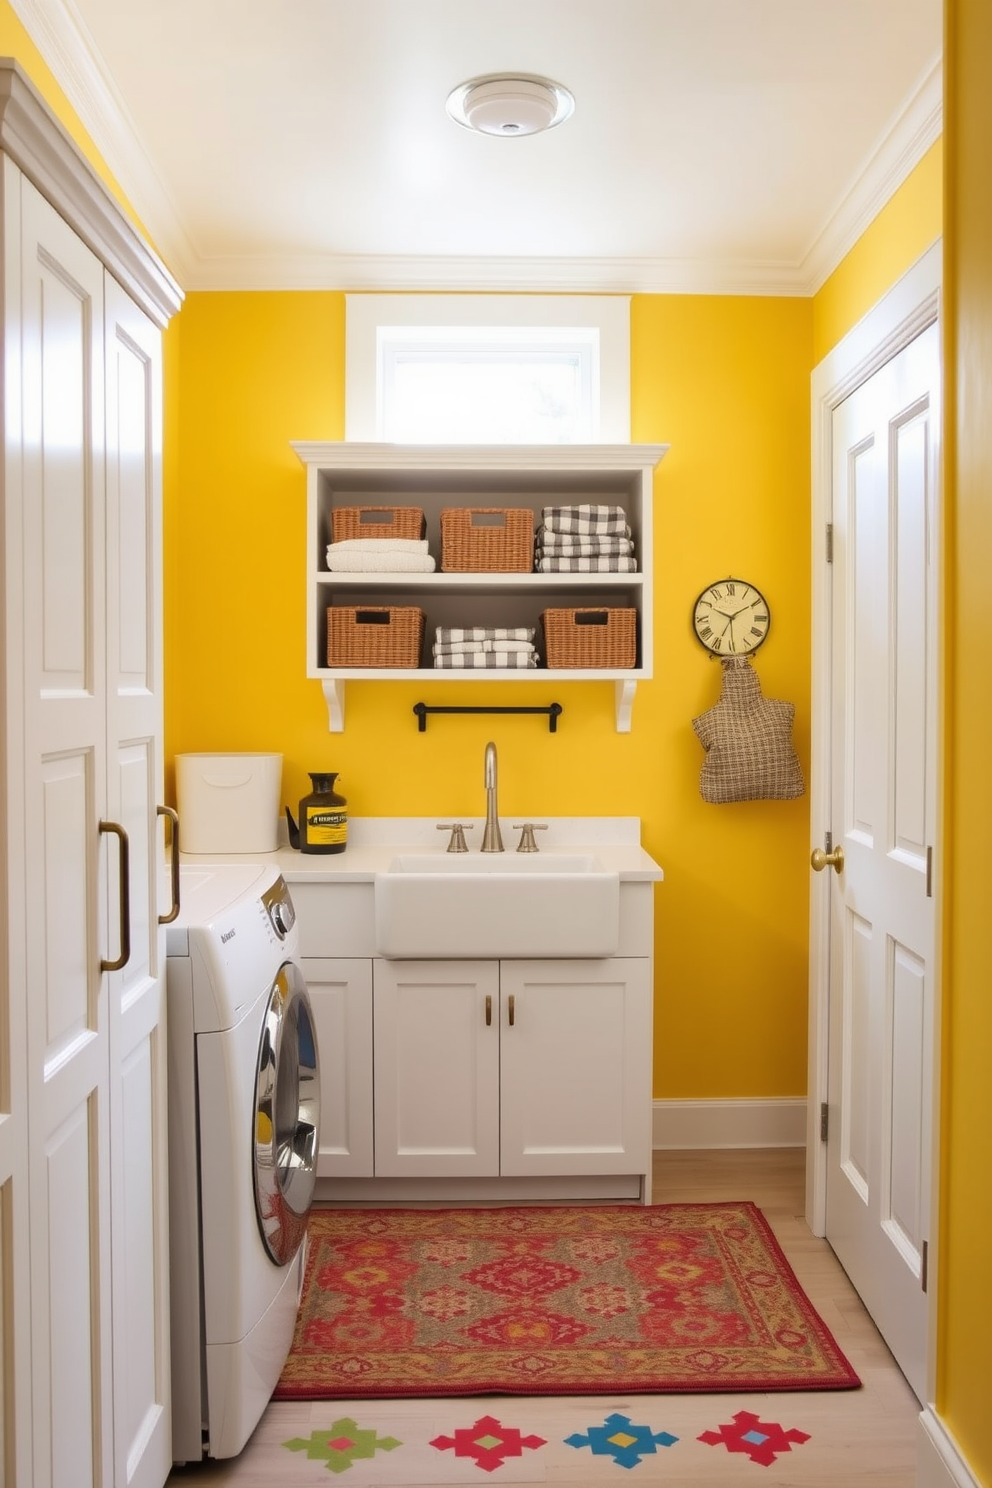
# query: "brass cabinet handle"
[[173, 816], [125, 896], [820, 859], [509, 1009], [489, 1011]]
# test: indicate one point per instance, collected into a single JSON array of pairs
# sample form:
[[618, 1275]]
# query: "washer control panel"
[[279, 907]]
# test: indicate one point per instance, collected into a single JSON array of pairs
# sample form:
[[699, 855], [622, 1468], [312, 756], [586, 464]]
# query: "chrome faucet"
[[492, 841]]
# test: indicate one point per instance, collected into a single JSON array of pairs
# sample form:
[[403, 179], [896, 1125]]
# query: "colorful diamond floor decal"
[[342, 1444], [762, 1441], [624, 1442], [489, 1442]]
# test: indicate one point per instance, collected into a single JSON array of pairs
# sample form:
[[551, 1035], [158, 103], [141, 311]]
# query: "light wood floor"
[[857, 1438]]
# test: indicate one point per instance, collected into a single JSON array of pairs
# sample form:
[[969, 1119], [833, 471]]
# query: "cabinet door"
[[341, 996], [138, 1084], [436, 1037], [67, 861], [575, 1066]]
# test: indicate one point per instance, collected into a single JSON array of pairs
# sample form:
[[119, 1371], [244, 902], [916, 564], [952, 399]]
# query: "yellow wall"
[[965, 1298], [725, 382], [903, 230]]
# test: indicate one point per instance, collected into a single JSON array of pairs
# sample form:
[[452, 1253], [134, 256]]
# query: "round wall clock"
[[731, 618]]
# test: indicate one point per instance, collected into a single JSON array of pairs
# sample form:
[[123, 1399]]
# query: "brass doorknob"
[[821, 859]]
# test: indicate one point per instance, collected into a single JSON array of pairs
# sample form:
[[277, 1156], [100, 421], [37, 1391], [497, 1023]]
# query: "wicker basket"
[[374, 635], [605, 637], [349, 522], [487, 539]]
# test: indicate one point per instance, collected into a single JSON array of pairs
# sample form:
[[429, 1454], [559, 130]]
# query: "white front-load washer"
[[244, 1097]]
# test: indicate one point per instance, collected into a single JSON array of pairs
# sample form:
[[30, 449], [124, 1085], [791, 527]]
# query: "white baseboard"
[[939, 1463], [728, 1123]]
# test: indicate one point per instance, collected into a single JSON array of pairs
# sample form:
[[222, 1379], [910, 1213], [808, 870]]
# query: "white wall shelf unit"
[[434, 477]]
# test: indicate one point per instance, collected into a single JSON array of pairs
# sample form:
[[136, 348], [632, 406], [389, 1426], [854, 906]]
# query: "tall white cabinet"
[[83, 1182]]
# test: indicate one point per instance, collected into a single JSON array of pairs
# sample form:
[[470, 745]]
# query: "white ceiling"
[[716, 145]]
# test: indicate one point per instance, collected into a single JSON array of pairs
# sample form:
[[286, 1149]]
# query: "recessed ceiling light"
[[510, 103]]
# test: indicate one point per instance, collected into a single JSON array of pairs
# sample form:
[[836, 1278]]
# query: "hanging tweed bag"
[[748, 742]]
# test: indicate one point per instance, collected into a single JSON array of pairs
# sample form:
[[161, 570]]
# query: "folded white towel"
[[379, 545], [514, 660], [448, 635], [379, 562]]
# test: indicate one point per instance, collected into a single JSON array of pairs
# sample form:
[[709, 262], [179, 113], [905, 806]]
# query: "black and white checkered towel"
[[448, 635], [552, 544], [587, 520], [513, 660], [605, 563]]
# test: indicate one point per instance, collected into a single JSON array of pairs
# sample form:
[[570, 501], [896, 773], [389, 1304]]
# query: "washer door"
[[287, 1116]]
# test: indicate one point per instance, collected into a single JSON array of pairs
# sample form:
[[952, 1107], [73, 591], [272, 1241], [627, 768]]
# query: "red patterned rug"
[[555, 1301]]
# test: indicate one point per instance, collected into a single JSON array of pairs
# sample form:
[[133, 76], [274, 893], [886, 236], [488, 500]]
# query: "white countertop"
[[374, 840]]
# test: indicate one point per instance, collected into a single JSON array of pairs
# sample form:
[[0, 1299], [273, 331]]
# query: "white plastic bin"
[[228, 803]]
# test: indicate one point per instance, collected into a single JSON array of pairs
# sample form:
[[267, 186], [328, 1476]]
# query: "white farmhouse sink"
[[496, 905]]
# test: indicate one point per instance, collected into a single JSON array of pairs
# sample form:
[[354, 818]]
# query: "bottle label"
[[326, 827]]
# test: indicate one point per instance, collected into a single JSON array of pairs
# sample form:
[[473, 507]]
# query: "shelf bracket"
[[624, 703], [552, 711], [334, 697]]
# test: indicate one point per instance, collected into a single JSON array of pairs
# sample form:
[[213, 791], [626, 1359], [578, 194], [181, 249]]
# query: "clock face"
[[731, 618]]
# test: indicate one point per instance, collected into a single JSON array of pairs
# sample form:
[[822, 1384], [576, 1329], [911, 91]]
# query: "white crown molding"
[[58, 31], [478, 275], [900, 149], [37, 144]]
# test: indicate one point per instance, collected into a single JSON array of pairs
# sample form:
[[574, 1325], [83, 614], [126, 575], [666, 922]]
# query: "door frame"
[[909, 307]]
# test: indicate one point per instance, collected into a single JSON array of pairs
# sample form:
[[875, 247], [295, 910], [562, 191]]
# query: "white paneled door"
[[883, 818]]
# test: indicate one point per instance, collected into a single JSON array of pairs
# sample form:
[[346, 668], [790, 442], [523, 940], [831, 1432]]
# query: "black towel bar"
[[552, 710]]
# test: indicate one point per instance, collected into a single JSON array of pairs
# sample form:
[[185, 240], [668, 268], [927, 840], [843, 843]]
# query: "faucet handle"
[[527, 830], [457, 830]]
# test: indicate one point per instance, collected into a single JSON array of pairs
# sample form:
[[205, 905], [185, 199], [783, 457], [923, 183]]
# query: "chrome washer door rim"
[[286, 1116]]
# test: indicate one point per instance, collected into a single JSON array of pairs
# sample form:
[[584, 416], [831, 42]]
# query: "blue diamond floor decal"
[[620, 1439]]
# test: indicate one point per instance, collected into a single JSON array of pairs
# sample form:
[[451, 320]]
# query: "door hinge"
[[824, 1120], [924, 1264], [830, 542], [929, 872]]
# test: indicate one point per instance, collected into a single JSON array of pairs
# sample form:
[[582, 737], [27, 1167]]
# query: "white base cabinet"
[[341, 996], [482, 1079], [511, 1068]]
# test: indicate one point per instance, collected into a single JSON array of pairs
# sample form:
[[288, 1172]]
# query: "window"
[[488, 369]]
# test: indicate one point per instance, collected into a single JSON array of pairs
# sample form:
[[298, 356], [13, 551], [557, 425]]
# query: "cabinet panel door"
[[341, 996], [576, 1066], [139, 1145], [436, 1068], [67, 862]]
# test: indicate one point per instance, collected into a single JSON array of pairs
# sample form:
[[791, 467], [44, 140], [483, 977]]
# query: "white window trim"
[[366, 313]]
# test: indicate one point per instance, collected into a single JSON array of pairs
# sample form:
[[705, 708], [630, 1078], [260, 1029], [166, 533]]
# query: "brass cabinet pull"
[[173, 816], [489, 1011], [509, 1009], [125, 896]]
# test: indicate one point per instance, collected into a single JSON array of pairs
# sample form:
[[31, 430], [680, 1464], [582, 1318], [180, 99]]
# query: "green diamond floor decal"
[[342, 1444]]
